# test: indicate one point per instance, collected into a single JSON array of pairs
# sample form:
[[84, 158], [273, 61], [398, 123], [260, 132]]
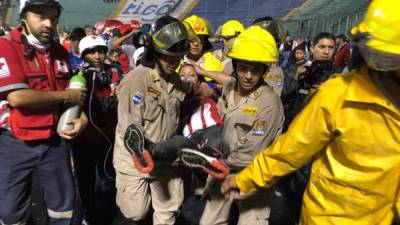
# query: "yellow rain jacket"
[[352, 132]]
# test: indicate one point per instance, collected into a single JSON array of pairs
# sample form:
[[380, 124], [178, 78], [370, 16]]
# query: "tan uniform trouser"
[[135, 193], [253, 209]]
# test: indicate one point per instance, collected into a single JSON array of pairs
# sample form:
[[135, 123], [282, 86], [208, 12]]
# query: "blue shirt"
[[75, 60]]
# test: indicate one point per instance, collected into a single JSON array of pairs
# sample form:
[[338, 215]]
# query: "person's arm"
[[219, 77], [118, 41], [79, 125], [29, 98], [290, 81], [132, 96], [303, 139], [346, 55], [131, 100], [206, 91]]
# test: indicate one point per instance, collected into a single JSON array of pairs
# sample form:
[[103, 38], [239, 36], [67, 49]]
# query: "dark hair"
[[265, 18], [89, 26], [200, 78], [77, 34], [207, 44], [342, 36], [186, 64], [301, 47], [234, 64], [148, 57], [323, 35]]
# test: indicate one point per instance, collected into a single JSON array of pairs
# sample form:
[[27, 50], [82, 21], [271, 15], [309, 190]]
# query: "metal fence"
[[334, 16]]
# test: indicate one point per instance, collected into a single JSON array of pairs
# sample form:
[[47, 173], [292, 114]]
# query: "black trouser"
[[50, 159], [170, 149], [96, 189]]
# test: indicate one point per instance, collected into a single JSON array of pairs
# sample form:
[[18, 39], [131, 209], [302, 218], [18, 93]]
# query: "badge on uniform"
[[256, 94], [153, 91], [62, 66], [260, 128], [248, 110], [4, 70], [137, 98]]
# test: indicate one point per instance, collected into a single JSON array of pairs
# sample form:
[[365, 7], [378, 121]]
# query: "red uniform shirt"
[[123, 59], [342, 56], [49, 71]]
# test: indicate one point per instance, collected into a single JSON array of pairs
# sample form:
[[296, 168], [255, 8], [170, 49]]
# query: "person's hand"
[[199, 70], [113, 90], [202, 144], [229, 188], [147, 158], [301, 71], [176, 163], [75, 96], [205, 91], [78, 124]]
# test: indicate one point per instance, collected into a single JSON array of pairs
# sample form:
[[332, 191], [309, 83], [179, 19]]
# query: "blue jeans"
[[51, 159]]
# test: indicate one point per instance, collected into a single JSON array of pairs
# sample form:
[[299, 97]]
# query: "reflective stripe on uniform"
[[4, 114], [13, 87], [59, 215], [18, 223]]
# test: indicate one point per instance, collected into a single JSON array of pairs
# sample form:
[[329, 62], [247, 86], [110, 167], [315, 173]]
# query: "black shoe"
[[206, 159], [134, 142]]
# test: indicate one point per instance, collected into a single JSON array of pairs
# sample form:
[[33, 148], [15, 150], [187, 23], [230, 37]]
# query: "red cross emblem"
[[4, 71]]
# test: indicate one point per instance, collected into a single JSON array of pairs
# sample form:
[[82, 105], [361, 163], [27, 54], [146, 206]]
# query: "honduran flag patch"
[[137, 98]]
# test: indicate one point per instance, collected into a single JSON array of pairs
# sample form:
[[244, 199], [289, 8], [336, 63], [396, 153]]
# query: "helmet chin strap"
[[161, 69], [32, 40]]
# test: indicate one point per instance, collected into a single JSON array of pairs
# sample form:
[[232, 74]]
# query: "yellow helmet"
[[231, 28], [191, 34], [200, 25], [255, 44], [382, 24]]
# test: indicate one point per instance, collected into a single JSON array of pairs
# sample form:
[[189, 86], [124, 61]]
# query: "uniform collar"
[[198, 62], [16, 34], [256, 93], [173, 82], [363, 89], [231, 93]]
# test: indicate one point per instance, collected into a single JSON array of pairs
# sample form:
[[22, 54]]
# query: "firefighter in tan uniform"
[[200, 48], [228, 32], [148, 112], [253, 117]]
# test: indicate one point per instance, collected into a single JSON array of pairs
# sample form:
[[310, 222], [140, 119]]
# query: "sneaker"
[[134, 142], [206, 161]]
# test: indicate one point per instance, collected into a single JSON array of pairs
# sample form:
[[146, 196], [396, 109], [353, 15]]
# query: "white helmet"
[[91, 42], [138, 55], [25, 4]]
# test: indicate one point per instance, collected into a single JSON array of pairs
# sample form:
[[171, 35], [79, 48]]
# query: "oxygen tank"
[[73, 111]]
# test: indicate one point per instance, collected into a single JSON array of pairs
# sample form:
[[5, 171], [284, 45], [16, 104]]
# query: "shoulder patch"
[[137, 98], [260, 128], [4, 70]]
